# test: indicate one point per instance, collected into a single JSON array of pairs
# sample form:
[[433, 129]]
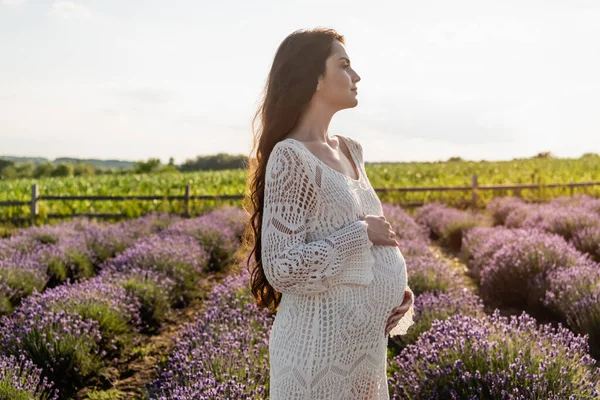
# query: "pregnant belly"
[[390, 275], [362, 311]]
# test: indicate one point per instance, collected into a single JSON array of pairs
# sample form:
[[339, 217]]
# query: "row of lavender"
[[77, 294], [446, 354], [541, 258]]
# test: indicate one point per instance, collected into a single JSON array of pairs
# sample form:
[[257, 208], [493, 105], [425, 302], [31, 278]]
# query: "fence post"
[[34, 204], [187, 201], [474, 186]]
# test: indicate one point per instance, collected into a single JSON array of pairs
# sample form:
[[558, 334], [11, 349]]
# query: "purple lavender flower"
[[181, 258], [63, 344], [216, 237], [404, 225], [6, 250], [500, 207], [20, 379], [45, 234], [148, 225], [154, 289], [480, 244], [106, 241], [69, 258], [562, 221], [201, 365], [587, 240], [517, 274], [6, 294], [116, 311], [430, 274], [447, 224], [24, 276], [233, 217], [578, 200], [464, 357], [574, 293], [431, 306]]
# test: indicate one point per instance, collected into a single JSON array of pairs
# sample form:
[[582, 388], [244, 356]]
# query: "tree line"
[[12, 169]]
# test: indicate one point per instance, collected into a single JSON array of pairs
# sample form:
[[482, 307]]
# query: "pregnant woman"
[[326, 258]]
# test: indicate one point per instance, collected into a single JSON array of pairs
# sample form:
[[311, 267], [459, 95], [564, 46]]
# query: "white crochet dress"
[[338, 289]]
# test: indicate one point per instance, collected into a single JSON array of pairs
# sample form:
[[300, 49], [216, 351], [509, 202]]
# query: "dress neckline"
[[353, 159]]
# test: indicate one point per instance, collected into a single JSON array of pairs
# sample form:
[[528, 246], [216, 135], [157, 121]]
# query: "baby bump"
[[363, 310]]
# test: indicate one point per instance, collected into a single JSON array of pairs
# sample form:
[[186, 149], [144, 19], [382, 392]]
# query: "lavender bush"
[[202, 366], [578, 200], [587, 240], [233, 217], [560, 220], [517, 274], [576, 219], [447, 224], [69, 258], [464, 357], [155, 291], [180, 257], [20, 379], [430, 274], [218, 238], [6, 295], [22, 275], [432, 306], [574, 294], [115, 311], [106, 241], [500, 207], [63, 344], [404, 225], [45, 234], [480, 244]]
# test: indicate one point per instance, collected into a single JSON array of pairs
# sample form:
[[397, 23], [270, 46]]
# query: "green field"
[[459, 173]]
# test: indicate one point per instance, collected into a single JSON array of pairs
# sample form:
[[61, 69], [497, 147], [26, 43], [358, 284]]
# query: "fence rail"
[[36, 198]]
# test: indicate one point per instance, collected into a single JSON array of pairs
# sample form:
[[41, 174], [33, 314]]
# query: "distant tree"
[[9, 172], [63, 170], [84, 169], [219, 161], [455, 159], [171, 161], [44, 169], [545, 154], [6, 163], [590, 155], [168, 168], [144, 167], [25, 170]]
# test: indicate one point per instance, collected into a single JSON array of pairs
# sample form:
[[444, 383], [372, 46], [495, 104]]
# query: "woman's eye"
[[346, 66]]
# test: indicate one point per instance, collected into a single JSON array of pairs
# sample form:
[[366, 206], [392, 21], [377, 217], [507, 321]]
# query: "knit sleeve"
[[290, 263]]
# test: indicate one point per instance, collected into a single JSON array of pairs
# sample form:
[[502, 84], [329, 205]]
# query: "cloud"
[[69, 10]]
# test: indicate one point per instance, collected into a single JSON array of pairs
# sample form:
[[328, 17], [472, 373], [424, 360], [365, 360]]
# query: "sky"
[[134, 79]]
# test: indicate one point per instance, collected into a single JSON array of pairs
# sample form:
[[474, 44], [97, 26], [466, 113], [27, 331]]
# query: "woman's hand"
[[398, 312], [380, 231]]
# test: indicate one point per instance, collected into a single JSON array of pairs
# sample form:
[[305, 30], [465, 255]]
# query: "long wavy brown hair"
[[291, 84]]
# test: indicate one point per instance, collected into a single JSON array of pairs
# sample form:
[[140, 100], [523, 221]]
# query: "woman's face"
[[338, 87]]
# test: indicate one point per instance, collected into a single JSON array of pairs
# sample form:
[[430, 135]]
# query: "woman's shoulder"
[[353, 142], [286, 156]]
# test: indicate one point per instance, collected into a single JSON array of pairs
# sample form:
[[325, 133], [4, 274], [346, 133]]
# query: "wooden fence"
[[36, 197]]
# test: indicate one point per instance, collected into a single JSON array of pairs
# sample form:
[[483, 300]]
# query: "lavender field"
[[507, 304]]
